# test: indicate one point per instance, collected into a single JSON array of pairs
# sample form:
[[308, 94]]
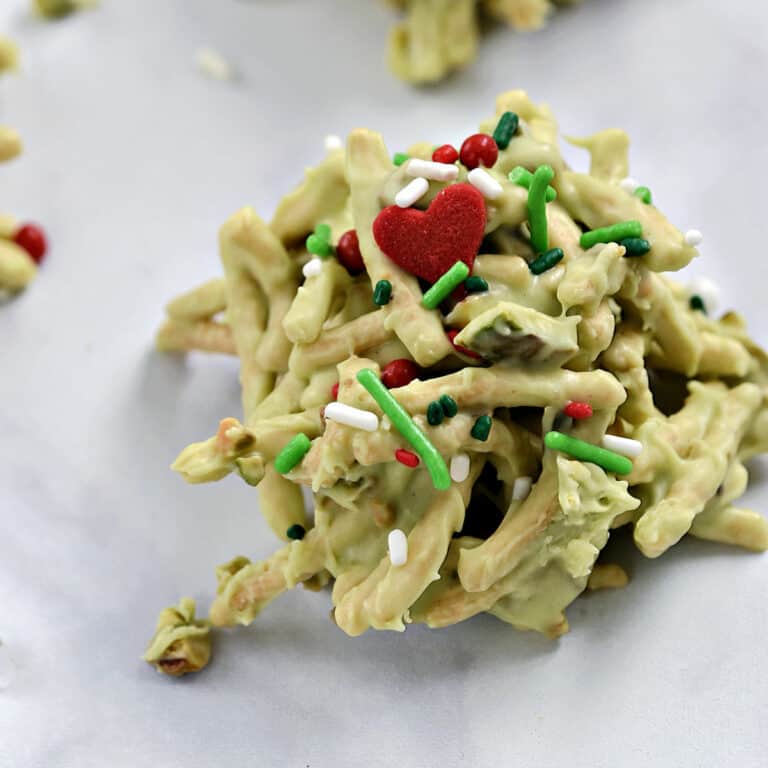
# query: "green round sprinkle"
[[608, 460], [323, 231], [296, 532], [506, 128], [382, 293], [292, 454], [546, 261], [636, 246], [644, 194], [537, 208], [448, 404], [523, 178], [476, 284], [612, 234], [399, 158], [318, 246], [441, 290], [482, 428], [697, 303], [405, 425], [435, 413]]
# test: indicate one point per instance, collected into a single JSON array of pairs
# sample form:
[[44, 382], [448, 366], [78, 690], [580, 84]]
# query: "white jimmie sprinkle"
[[521, 488], [485, 183], [431, 170], [333, 142], [398, 547], [410, 193], [623, 445], [352, 417], [312, 268], [459, 467], [628, 184], [707, 290]]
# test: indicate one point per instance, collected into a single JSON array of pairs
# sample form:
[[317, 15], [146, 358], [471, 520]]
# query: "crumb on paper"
[[181, 643], [607, 576], [213, 64], [56, 9], [9, 55]]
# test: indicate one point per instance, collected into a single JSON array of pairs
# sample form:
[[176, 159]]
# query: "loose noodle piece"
[[437, 37], [517, 534]]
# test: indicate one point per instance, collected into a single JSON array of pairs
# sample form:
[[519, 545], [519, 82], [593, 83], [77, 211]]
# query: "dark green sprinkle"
[[636, 246], [382, 293], [506, 128], [448, 404], [546, 261], [296, 532], [475, 284], [481, 428], [697, 303], [434, 413], [399, 158], [644, 194]]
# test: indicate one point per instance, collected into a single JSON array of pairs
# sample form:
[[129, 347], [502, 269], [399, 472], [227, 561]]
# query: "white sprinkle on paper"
[[481, 180], [333, 142], [412, 192], [431, 170], [312, 268], [398, 547], [521, 488], [352, 417], [693, 237], [213, 64], [459, 467], [623, 445]]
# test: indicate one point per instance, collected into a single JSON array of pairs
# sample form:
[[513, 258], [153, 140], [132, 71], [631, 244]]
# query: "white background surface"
[[133, 161]]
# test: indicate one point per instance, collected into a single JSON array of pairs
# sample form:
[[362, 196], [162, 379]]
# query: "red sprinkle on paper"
[[428, 243], [445, 154], [399, 372], [408, 458], [578, 410], [32, 239], [452, 334], [479, 149], [348, 252]]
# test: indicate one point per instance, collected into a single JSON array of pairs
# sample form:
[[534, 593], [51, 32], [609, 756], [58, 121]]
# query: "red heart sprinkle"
[[428, 243]]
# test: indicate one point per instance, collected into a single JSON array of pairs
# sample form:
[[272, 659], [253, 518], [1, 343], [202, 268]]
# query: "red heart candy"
[[428, 243]]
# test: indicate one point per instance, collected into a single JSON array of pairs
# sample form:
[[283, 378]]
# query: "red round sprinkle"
[[445, 154], [578, 410], [464, 351], [32, 239], [408, 458], [335, 391], [479, 149], [348, 252], [399, 372]]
